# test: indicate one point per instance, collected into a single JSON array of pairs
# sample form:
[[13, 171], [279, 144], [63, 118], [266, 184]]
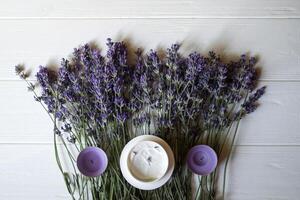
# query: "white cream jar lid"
[[148, 161], [134, 179]]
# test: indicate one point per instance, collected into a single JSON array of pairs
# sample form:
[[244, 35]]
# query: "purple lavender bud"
[[143, 80], [153, 60], [202, 159], [59, 115], [42, 77], [70, 95], [249, 108], [222, 75], [63, 72], [119, 101], [92, 161], [252, 61], [243, 58], [258, 93], [121, 117], [250, 105]]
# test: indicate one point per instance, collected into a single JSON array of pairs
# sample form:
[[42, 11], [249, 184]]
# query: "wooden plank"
[[264, 173], [276, 122], [154, 8], [22, 119], [275, 41], [30, 172], [256, 172]]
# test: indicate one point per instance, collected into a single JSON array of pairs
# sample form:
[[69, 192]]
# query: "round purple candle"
[[92, 161], [202, 159]]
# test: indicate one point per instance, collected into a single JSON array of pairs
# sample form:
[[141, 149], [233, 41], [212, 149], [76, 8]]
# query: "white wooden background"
[[266, 163]]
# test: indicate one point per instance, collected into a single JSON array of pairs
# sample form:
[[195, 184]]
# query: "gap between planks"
[[149, 17], [236, 145]]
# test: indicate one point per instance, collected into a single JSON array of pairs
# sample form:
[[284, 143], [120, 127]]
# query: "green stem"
[[199, 187], [226, 163]]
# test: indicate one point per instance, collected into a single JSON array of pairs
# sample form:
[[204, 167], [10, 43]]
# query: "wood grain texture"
[[30, 172], [146, 9], [276, 122], [275, 41], [260, 172], [255, 172]]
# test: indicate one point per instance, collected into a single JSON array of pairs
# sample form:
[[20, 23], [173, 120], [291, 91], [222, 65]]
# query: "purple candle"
[[202, 159], [92, 161]]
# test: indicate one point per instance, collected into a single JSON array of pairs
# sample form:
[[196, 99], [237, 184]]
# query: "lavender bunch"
[[86, 98], [200, 100], [101, 100]]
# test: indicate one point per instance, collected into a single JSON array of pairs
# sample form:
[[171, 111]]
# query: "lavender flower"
[[251, 104]]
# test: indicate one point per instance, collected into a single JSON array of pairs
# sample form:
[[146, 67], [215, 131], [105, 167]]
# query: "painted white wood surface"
[[146, 9], [266, 161], [35, 42]]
